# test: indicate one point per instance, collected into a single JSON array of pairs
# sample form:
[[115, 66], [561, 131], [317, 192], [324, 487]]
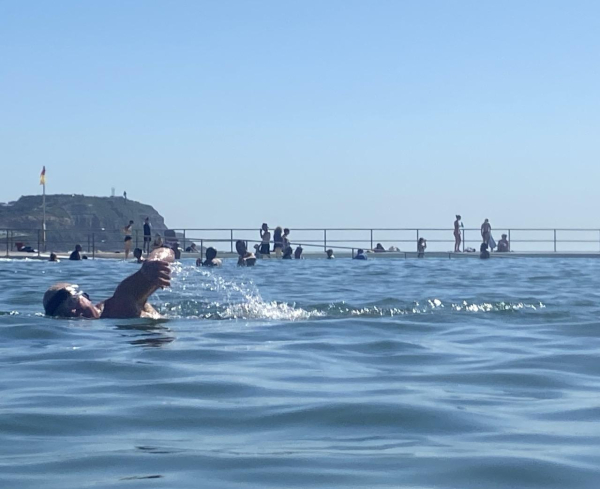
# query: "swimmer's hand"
[[157, 272]]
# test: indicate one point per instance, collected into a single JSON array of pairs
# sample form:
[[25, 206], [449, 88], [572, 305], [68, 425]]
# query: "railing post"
[[463, 241], [509, 241], [352, 256], [325, 240], [7, 245], [371, 241], [184, 240], [555, 241], [93, 246], [201, 250], [231, 239], [417, 235], [88, 246], [38, 246]]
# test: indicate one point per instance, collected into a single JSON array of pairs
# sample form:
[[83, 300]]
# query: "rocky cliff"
[[72, 219]]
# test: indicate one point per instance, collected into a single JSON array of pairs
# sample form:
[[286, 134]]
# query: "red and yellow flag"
[[43, 176]]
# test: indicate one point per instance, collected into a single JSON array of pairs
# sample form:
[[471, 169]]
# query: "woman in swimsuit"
[[278, 242], [457, 237], [128, 238], [265, 236]]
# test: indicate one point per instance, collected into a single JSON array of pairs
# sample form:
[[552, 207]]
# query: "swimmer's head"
[[329, 253], [67, 301], [211, 253], [360, 251], [53, 257], [240, 246], [78, 247]]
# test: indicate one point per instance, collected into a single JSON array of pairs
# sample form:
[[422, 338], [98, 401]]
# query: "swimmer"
[[53, 257], [287, 253], [360, 255], [137, 254], [76, 254], [211, 258], [246, 259], [298, 252], [265, 237], [128, 301], [484, 253], [128, 238], [330, 254]]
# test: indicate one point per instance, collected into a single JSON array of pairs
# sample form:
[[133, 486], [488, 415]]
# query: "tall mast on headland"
[[43, 183]]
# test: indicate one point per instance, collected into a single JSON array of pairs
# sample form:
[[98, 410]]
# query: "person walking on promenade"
[[128, 238], [486, 231], [457, 238], [265, 237], [147, 235]]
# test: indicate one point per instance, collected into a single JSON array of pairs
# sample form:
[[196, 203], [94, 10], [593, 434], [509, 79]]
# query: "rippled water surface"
[[312, 373]]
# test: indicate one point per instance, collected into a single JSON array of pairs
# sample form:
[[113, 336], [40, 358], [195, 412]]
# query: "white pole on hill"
[[43, 182]]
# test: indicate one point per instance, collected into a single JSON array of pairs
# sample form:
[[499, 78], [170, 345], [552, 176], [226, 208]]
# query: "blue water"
[[380, 374]]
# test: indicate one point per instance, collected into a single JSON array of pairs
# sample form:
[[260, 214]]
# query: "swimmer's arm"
[[129, 299]]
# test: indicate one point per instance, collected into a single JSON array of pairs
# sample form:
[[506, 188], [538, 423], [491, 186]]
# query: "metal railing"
[[94, 241]]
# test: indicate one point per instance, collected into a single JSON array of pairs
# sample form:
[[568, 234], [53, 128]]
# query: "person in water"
[[158, 242], [278, 241], [298, 252], [503, 244], [147, 235], [457, 237], [287, 253], [330, 254], [421, 246], [211, 258], [137, 254], [245, 259], [53, 257], [128, 301], [379, 248], [76, 253], [265, 237], [128, 239], [360, 255], [483, 251]]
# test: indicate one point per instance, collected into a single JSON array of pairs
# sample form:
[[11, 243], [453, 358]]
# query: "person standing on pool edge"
[[265, 237], [128, 238], [486, 231], [457, 237], [147, 235]]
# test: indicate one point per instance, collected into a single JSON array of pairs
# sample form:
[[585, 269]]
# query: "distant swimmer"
[[330, 254], [137, 254], [486, 231], [127, 231], [53, 257], [421, 246], [483, 251], [147, 235], [360, 255], [128, 301], [211, 258], [503, 244], [457, 237], [265, 236], [245, 259], [298, 252], [288, 253], [76, 253]]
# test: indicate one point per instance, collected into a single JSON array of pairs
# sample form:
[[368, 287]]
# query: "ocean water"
[[379, 374]]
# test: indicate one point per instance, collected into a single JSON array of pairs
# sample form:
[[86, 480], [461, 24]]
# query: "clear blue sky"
[[313, 113]]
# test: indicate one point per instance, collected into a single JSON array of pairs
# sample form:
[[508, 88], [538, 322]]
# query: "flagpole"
[[44, 216]]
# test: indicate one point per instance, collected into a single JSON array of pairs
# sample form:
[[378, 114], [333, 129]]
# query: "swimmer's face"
[[72, 303]]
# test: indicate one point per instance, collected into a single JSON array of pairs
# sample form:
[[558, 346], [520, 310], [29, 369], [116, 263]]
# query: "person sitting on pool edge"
[[211, 258], [360, 255], [128, 301], [379, 248], [287, 253], [246, 259], [503, 244], [76, 254], [330, 254]]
